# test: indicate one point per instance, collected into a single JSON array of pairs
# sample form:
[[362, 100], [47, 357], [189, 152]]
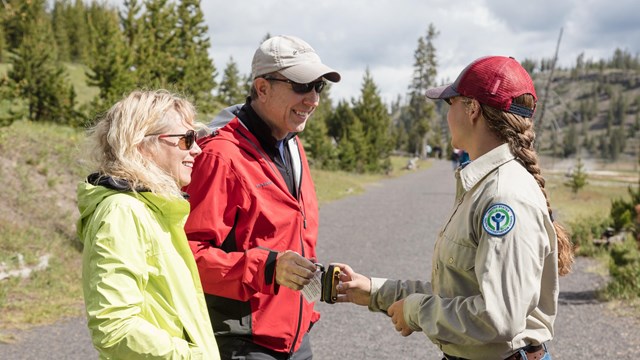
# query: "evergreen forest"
[[589, 110]]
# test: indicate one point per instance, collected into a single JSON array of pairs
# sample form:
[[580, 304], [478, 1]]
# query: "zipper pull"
[[305, 223]]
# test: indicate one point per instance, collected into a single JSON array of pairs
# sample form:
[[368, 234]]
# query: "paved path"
[[389, 231]]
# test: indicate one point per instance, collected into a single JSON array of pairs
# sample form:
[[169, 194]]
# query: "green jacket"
[[141, 286]]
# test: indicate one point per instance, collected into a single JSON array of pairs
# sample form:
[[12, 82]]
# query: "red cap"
[[494, 81]]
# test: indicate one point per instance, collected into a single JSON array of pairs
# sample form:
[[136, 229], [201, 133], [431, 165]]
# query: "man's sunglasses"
[[186, 140], [302, 88]]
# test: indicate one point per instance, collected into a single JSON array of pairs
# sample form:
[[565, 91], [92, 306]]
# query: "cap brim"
[[441, 92], [306, 73]]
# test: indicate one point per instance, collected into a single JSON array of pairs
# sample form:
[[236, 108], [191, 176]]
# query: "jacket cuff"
[[411, 310], [374, 303], [270, 269]]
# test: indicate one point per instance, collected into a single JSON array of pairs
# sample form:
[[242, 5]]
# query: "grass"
[[76, 76], [333, 185], [592, 200], [39, 171]]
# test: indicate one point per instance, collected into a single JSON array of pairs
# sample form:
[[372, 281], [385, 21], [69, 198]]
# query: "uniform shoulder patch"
[[498, 220]]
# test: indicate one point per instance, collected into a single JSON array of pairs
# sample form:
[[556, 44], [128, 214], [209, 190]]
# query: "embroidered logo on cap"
[[498, 220]]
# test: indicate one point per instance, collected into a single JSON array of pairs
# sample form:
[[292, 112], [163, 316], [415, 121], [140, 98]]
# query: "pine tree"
[[570, 143], [398, 131], [2, 42], [195, 72], [231, 90], [35, 76], [15, 23], [373, 114], [317, 143], [554, 144], [420, 111], [352, 146], [110, 68], [578, 178], [339, 120], [78, 30], [157, 47], [60, 31], [616, 143], [131, 23]]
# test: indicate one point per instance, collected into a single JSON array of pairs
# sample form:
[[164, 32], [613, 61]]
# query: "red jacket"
[[242, 214]]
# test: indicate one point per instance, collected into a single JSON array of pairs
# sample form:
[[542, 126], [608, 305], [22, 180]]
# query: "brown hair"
[[518, 132]]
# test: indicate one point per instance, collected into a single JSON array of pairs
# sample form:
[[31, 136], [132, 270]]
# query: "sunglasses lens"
[[300, 88], [186, 142], [319, 85], [305, 88], [190, 138]]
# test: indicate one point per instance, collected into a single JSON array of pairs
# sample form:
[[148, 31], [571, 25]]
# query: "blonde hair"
[[518, 132], [119, 135]]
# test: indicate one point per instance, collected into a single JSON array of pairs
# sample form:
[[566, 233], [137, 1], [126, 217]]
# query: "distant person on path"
[[254, 221], [455, 158], [494, 287], [142, 292], [463, 158]]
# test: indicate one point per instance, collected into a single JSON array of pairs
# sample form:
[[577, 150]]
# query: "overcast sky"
[[351, 35]]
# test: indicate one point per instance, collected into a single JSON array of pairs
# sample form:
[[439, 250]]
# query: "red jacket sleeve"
[[217, 196]]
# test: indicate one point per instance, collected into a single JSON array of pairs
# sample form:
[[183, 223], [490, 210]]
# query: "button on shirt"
[[494, 285]]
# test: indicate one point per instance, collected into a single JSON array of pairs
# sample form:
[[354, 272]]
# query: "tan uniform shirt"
[[494, 285]]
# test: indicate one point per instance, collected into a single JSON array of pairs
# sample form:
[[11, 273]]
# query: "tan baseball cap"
[[293, 58]]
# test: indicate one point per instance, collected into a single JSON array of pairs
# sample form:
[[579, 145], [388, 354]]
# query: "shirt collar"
[[477, 169]]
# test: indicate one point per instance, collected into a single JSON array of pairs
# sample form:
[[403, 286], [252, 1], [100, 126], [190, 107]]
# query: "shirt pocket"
[[456, 255], [456, 269]]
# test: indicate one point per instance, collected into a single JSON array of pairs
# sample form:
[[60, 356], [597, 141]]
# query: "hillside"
[[39, 168], [592, 101]]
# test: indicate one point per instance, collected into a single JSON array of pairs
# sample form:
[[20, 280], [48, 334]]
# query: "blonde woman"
[[142, 291]]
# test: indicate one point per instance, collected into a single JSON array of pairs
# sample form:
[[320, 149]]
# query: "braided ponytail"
[[518, 132]]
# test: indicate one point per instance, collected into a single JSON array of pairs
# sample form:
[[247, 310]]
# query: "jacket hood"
[[97, 187], [89, 196], [225, 116]]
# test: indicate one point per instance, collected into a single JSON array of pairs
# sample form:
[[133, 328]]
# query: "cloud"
[[351, 35], [532, 16]]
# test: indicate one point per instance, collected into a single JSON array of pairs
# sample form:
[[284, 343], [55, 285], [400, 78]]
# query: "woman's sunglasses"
[[186, 140], [302, 88]]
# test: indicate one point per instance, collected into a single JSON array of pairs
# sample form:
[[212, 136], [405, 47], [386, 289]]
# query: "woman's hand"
[[396, 311], [353, 287]]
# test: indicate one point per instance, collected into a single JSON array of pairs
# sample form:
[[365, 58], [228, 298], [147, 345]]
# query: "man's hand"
[[396, 311], [353, 287], [293, 271]]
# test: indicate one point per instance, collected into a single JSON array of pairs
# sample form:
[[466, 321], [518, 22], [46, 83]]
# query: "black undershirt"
[[262, 132]]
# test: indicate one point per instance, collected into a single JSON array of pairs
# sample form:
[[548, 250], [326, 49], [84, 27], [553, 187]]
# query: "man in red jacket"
[[254, 213]]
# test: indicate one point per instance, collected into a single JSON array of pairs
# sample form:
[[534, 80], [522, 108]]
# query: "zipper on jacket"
[[295, 339], [300, 308]]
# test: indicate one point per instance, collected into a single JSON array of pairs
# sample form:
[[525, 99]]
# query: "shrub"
[[624, 269], [585, 230]]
